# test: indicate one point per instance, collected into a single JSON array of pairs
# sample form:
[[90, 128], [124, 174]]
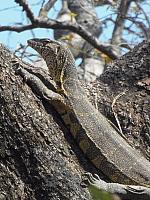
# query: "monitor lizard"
[[96, 137]]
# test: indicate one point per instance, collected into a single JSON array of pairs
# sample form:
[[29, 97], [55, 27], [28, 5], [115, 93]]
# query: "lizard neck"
[[69, 79]]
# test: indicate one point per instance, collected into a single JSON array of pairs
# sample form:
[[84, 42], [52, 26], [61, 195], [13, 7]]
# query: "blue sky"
[[13, 14], [10, 12]]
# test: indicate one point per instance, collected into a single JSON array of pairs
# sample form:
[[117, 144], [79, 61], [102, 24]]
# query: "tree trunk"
[[38, 156], [35, 158]]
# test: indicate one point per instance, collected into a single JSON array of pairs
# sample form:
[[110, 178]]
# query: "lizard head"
[[58, 57]]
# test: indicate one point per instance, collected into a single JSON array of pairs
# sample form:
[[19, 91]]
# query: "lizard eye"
[[45, 41]]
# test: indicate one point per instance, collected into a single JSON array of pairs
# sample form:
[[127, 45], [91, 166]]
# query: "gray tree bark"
[[38, 157], [36, 160]]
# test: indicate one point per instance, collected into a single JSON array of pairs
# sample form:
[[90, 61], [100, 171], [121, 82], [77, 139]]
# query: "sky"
[[11, 12]]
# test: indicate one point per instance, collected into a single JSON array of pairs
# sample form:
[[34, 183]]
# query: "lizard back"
[[99, 141]]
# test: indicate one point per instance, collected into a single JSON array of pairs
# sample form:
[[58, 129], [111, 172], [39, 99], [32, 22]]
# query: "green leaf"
[[98, 194]]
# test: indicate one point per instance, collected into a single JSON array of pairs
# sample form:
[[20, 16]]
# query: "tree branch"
[[124, 191], [119, 24], [46, 8], [27, 9], [17, 29], [48, 23], [33, 163]]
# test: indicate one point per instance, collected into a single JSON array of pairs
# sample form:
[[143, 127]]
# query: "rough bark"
[[35, 158], [38, 157], [125, 86]]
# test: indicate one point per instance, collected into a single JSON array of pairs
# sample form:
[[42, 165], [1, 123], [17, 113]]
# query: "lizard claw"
[[90, 179], [134, 189]]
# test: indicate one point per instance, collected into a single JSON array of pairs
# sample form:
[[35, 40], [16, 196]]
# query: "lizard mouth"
[[41, 42], [38, 42]]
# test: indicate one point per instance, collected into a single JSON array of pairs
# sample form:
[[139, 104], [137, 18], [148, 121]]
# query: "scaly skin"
[[99, 141]]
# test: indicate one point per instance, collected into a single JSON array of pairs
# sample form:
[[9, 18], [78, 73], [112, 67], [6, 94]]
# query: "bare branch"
[[46, 8], [104, 2], [47, 23], [26, 8], [141, 26], [17, 28], [145, 15], [119, 24]]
